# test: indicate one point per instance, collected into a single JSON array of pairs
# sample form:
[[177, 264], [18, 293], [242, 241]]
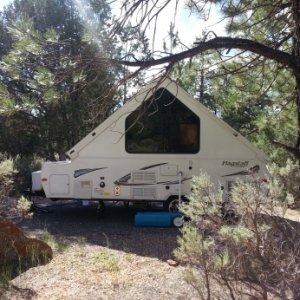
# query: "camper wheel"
[[229, 213], [100, 208], [172, 205]]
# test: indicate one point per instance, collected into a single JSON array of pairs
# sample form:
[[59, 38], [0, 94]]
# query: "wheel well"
[[173, 197]]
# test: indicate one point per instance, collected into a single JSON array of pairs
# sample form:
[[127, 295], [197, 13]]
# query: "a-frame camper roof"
[[111, 123]]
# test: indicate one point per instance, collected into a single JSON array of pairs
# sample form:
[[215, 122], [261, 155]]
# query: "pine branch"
[[279, 56]]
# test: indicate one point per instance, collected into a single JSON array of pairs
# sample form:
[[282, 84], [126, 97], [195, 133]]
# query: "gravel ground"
[[106, 258]]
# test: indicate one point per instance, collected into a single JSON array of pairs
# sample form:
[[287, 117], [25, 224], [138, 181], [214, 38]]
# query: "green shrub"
[[24, 206], [288, 180], [107, 260], [6, 184], [25, 165], [259, 256]]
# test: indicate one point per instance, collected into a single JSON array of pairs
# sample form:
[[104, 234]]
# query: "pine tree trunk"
[[296, 52]]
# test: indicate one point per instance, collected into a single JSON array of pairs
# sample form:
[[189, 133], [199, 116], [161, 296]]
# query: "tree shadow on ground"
[[16, 292], [70, 222]]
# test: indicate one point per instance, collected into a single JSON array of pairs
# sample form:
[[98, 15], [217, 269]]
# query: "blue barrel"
[[155, 219]]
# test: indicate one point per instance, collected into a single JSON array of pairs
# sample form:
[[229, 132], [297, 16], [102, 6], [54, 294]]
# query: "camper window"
[[162, 125]]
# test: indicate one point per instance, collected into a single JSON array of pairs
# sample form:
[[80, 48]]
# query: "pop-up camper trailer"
[[149, 149]]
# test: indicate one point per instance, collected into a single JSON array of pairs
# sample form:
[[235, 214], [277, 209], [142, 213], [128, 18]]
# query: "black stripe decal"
[[80, 172]]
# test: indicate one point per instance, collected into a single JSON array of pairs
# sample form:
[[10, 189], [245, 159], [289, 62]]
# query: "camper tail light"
[[44, 179]]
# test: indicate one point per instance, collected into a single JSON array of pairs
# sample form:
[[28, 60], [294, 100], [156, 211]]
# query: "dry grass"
[[106, 259], [95, 272]]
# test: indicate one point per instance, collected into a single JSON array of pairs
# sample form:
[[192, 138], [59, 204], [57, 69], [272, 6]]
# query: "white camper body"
[[106, 166]]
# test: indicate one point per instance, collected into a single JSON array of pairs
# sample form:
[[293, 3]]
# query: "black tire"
[[230, 217], [172, 205], [229, 214]]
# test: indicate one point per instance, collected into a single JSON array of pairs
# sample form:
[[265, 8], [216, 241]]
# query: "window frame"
[[198, 134]]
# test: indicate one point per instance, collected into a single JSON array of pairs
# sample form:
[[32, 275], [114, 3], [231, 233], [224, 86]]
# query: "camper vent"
[[143, 193], [143, 177]]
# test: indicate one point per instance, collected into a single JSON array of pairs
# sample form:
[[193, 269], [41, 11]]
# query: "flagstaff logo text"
[[235, 164]]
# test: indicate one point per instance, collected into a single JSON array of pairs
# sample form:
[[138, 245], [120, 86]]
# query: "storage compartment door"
[[59, 184]]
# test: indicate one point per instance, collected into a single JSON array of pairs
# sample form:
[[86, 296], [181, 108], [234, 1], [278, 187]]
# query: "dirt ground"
[[106, 258]]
